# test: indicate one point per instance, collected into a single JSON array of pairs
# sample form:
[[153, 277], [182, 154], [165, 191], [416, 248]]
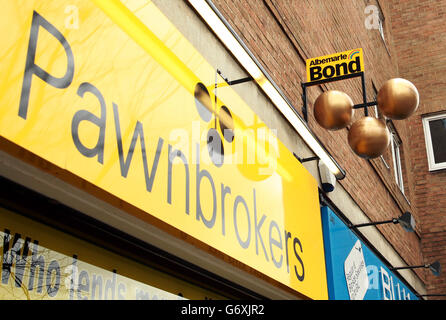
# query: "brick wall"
[[282, 34], [419, 32]]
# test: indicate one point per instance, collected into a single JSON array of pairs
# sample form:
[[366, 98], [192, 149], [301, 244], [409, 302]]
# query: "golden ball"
[[368, 137], [333, 110], [398, 99]]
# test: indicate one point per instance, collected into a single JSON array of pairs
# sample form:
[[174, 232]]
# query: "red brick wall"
[[282, 34], [419, 29]]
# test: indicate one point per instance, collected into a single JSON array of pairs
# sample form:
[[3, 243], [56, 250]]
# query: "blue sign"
[[354, 272]]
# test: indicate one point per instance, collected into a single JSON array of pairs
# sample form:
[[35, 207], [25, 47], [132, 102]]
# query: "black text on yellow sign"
[[335, 65], [202, 175], [83, 107]]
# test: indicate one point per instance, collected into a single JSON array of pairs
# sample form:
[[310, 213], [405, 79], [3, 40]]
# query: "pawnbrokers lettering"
[[248, 236]]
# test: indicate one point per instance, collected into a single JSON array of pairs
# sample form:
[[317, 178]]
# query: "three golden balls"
[[369, 137], [398, 99], [333, 110]]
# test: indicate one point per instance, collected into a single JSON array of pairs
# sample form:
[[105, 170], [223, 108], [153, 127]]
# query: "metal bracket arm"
[[234, 82], [364, 105], [302, 160]]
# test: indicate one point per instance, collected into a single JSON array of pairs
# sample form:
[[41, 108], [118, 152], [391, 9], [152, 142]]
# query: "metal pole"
[[364, 94], [373, 223], [304, 102], [309, 159], [410, 267], [215, 103], [243, 80], [368, 104]]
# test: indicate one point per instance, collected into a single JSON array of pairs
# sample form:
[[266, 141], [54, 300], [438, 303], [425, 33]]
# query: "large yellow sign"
[[335, 65], [112, 92]]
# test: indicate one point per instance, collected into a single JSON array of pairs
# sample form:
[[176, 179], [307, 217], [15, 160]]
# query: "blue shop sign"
[[354, 272]]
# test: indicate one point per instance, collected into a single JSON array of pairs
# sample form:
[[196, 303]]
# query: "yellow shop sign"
[[335, 65], [123, 100]]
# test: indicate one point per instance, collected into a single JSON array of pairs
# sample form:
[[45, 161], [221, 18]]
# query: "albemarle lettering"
[[330, 71]]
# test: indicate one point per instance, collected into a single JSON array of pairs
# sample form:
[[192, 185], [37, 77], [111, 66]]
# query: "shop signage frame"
[[116, 139]]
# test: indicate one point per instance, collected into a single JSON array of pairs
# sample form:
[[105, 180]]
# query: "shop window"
[[435, 137], [50, 251]]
